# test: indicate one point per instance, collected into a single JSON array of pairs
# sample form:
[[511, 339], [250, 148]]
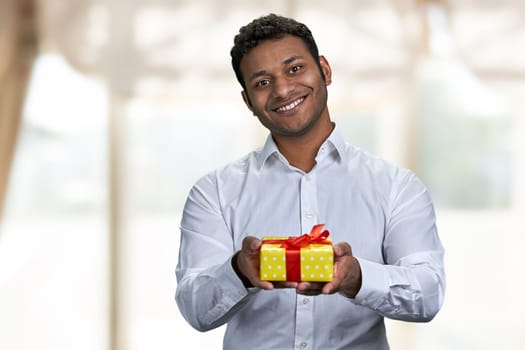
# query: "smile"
[[290, 106]]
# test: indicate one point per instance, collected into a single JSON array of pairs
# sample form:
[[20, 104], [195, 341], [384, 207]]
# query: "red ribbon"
[[316, 235], [293, 247]]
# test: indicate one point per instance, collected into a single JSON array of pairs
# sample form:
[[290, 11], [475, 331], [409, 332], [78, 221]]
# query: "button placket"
[[304, 321], [309, 208]]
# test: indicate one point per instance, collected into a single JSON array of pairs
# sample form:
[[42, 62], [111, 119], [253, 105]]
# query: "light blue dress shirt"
[[384, 212]]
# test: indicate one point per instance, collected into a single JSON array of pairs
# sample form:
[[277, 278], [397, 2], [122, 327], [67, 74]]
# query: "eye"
[[295, 69], [262, 83]]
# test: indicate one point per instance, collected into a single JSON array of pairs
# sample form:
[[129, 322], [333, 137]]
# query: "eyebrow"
[[264, 72]]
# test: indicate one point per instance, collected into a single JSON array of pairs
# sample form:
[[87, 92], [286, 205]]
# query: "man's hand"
[[347, 272], [246, 264], [347, 275]]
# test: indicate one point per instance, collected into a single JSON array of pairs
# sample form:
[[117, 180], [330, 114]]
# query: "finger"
[[266, 285], [310, 292], [309, 288], [285, 285], [342, 249], [303, 285], [251, 244], [329, 288]]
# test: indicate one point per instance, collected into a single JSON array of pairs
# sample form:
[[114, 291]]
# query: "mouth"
[[290, 106]]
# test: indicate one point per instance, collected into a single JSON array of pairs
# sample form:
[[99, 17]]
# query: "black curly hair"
[[271, 26]]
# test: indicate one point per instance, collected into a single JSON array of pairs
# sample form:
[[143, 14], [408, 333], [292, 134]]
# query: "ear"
[[246, 100], [327, 71]]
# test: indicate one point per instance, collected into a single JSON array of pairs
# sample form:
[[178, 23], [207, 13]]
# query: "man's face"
[[284, 86]]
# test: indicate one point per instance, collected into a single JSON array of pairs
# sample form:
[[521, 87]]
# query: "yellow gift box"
[[309, 257]]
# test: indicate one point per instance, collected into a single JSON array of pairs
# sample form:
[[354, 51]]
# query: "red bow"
[[316, 235]]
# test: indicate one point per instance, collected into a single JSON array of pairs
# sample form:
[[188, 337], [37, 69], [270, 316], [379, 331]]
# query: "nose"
[[282, 87]]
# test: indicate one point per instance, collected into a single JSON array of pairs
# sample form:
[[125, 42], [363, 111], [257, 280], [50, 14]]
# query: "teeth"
[[289, 106]]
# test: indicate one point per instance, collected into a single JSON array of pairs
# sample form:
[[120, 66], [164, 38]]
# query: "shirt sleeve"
[[410, 285], [208, 290]]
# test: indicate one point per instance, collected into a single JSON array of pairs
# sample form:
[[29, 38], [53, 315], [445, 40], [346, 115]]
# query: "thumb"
[[251, 243], [342, 249]]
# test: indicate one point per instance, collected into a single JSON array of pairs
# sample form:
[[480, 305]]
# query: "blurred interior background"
[[111, 109]]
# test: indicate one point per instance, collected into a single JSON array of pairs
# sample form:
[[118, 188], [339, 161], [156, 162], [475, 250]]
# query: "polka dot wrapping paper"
[[309, 257]]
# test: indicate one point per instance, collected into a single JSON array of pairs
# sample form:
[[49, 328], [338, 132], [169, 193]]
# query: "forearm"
[[209, 298], [410, 290]]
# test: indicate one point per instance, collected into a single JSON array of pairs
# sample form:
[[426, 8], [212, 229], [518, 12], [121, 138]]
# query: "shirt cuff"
[[374, 284], [231, 284]]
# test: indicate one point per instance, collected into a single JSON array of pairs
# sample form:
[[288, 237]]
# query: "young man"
[[388, 256]]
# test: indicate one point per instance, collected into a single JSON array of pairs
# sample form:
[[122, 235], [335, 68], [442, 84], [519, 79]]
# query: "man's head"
[[265, 28], [283, 77]]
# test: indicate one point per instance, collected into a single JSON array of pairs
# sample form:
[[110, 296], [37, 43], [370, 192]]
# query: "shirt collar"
[[268, 149], [335, 141]]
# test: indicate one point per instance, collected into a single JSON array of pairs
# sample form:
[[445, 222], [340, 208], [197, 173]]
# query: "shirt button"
[[309, 215], [306, 301], [303, 345], [307, 177], [363, 302]]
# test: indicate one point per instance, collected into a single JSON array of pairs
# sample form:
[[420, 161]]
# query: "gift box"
[[309, 257]]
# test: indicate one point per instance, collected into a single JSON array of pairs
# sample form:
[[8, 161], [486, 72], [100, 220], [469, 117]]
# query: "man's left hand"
[[347, 275]]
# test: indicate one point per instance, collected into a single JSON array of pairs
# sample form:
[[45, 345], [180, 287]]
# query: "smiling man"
[[388, 259]]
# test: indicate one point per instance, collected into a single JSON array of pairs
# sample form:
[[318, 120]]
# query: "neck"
[[300, 151]]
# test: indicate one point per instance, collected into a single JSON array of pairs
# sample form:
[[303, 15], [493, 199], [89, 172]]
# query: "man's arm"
[[208, 289], [411, 284]]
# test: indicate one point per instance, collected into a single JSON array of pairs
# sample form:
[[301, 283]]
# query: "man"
[[388, 256]]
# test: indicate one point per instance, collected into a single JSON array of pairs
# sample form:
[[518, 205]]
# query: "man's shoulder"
[[376, 165], [233, 170]]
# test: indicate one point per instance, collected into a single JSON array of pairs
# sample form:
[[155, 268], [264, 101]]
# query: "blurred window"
[[53, 245]]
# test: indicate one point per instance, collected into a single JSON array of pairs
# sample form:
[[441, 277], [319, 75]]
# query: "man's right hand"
[[246, 264]]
